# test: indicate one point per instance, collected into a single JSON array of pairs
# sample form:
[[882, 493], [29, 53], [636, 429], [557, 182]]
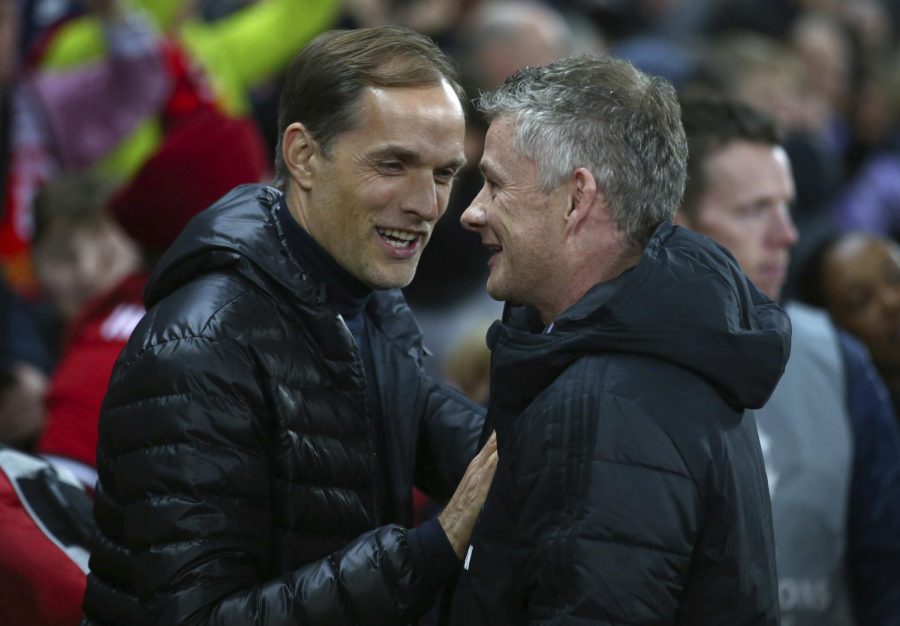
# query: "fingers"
[[483, 479], [459, 517], [489, 448]]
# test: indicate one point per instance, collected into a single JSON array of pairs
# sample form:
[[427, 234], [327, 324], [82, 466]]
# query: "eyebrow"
[[487, 169], [411, 156]]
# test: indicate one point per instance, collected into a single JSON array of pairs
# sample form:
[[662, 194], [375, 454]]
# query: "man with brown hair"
[[266, 422]]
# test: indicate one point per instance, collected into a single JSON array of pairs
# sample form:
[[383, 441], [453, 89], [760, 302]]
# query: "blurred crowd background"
[[121, 119]]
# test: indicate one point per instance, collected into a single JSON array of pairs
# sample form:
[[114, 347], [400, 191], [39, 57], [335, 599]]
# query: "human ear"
[[298, 149], [584, 194]]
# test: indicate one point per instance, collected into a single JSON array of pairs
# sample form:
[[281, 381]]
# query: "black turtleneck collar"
[[343, 292]]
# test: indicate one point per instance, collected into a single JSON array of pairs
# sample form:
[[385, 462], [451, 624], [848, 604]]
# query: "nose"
[[783, 233], [474, 217], [425, 200]]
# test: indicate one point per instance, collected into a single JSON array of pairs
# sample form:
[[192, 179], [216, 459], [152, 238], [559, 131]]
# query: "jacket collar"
[[686, 302]]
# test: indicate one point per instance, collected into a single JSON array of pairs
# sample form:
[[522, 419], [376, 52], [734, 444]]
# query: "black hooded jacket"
[[631, 487], [236, 453]]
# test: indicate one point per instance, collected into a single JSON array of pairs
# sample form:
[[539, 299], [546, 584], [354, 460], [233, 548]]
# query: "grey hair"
[[602, 114]]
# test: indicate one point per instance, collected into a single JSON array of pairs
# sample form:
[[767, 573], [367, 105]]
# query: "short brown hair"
[[323, 84], [72, 202], [711, 123]]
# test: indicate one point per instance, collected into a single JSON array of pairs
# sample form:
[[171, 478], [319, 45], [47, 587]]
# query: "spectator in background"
[[79, 250], [66, 121], [212, 65], [630, 486], [226, 58], [24, 366], [434, 18], [828, 434], [855, 276], [823, 46], [870, 200], [45, 514], [265, 424], [45, 528], [770, 76], [199, 162]]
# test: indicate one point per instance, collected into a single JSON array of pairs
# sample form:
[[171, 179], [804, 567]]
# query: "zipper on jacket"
[[378, 498]]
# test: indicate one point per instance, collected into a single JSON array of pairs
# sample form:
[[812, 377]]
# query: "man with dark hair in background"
[[630, 487], [828, 436], [266, 422]]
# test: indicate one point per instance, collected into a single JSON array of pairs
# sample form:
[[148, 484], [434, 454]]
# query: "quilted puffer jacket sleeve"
[[191, 483]]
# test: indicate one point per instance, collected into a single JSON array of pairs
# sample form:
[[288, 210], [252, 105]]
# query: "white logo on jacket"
[[121, 322]]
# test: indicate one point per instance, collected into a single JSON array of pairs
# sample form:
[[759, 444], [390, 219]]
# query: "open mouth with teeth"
[[400, 239]]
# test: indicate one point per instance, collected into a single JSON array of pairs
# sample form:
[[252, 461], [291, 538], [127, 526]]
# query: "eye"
[[444, 176], [391, 167], [756, 209]]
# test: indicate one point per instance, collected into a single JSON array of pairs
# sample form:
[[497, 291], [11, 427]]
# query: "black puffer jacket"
[[236, 450], [631, 487]]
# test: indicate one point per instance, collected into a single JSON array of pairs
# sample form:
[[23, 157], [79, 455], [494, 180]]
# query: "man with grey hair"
[[630, 486]]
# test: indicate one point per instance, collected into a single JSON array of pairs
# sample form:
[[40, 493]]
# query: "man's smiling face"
[[377, 196], [515, 219]]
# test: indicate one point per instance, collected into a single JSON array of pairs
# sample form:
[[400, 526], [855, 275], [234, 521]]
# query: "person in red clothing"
[[78, 385], [201, 160], [81, 255], [45, 525]]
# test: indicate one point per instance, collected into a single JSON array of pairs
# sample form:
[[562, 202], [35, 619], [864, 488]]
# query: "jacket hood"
[[686, 302], [238, 232]]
